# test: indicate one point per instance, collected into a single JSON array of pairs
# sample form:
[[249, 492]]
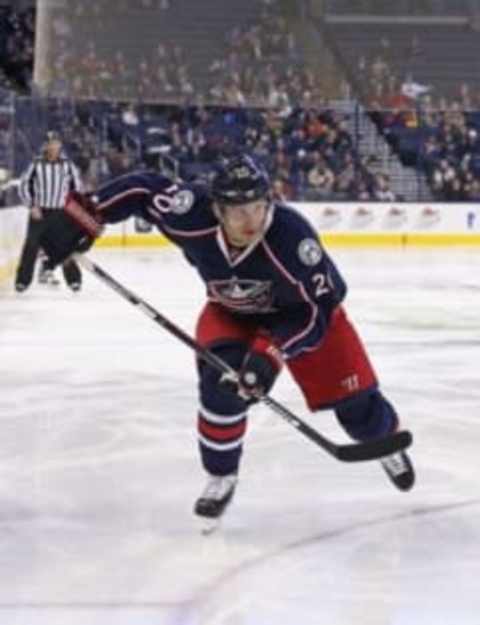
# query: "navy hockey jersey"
[[285, 279]]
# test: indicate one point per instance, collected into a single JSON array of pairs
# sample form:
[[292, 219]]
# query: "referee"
[[44, 188]]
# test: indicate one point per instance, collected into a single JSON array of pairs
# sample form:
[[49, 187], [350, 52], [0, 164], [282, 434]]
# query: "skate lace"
[[217, 487], [395, 464]]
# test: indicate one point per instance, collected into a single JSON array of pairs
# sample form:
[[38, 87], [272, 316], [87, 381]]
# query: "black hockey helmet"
[[51, 136], [240, 180]]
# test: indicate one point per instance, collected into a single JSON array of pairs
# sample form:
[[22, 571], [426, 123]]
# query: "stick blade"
[[375, 449]]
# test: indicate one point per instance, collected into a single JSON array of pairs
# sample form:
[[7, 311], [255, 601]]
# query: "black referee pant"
[[33, 242]]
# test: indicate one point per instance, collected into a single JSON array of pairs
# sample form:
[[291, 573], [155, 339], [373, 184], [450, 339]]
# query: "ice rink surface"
[[99, 467]]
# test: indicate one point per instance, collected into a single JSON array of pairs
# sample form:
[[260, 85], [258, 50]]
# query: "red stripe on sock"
[[217, 433]]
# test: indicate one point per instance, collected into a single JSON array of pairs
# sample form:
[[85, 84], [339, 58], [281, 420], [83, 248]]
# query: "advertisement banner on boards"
[[357, 217]]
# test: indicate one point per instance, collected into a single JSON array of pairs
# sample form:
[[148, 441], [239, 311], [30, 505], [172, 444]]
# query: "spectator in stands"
[[473, 192], [443, 176], [454, 191], [280, 190], [345, 178], [382, 191], [320, 179], [360, 189]]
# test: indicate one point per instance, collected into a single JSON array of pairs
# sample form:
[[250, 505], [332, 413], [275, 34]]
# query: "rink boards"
[[12, 230], [356, 224], [349, 224]]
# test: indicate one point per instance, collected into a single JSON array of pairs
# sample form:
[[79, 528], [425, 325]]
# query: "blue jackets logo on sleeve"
[[172, 201], [310, 252], [183, 202]]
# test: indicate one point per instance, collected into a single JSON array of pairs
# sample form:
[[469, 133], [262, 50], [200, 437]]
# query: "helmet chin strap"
[[218, 211]]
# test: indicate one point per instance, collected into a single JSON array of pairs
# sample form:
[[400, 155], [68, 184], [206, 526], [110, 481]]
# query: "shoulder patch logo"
[[182, 202], [310, 252]]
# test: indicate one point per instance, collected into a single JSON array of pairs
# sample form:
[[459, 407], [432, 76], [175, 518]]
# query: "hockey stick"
[[353, 452]]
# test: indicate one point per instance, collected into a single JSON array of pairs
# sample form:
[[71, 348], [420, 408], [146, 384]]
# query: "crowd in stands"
[[257, 65], [82, 68], [305, 145], [437, 134], [309, 154], [16, 47], [262, 67], [401, 7]]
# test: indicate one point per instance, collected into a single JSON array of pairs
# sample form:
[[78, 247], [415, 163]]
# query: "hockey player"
[[274, 299]]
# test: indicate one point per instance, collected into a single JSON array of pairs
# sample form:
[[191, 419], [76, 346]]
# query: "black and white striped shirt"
[[47, 183]]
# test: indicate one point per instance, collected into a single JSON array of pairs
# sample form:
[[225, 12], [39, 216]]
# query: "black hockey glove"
[[73, 229], [259, 370]]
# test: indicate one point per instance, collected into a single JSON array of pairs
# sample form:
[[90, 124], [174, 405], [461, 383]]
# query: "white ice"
[[99, 466]]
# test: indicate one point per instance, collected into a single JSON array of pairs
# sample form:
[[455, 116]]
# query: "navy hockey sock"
[[367, 416]]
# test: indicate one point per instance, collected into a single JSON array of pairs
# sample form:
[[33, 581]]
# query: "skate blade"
[[208, 526]]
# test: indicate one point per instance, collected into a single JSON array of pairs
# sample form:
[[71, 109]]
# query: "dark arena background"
[[366, 116]]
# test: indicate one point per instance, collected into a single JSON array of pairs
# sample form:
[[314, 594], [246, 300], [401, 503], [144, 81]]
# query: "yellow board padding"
[[411, 239], [338, 239], [7, 270], [353, 239], [443, 239], [132, 240]]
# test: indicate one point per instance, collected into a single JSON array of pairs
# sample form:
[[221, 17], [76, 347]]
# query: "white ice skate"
[[400, 470], [47, 277], [214, 500]]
